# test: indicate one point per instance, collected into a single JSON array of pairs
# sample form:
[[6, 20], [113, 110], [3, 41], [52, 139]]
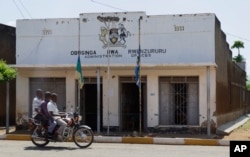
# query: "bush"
[[238, 58], [6, 73]]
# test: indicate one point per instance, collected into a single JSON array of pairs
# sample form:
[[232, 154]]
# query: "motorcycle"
[[82, 135]]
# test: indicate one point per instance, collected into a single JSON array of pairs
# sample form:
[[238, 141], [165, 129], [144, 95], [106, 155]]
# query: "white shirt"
[[52, 107], [36, 104]]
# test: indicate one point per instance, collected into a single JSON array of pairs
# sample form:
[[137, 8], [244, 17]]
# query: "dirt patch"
[[241, 133]]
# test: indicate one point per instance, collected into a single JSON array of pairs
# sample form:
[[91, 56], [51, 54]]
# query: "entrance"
[[88, 106], [130, 105], [179, 100]]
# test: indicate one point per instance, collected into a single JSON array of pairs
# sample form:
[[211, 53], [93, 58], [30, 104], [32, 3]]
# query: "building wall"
[[231, 94], [171, 45], [168, 39], [153, 91], [7, 53], [111, 94]]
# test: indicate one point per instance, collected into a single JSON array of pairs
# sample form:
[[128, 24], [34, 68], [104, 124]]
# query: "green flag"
[[78, 73]]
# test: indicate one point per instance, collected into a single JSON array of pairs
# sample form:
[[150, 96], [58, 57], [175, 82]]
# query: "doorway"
[[89, 104], [130, 105], [179, 100]]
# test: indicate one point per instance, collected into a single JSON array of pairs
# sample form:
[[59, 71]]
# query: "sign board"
[[100, 38]]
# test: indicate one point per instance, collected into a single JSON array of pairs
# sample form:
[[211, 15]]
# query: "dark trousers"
[[40, 118]]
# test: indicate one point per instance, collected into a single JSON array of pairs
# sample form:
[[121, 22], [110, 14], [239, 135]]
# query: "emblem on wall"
[[113, 33]]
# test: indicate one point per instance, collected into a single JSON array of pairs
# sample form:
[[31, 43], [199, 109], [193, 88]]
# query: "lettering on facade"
[[46, 31], [116, 54], [93, 54], [178, 28], [146, 52]]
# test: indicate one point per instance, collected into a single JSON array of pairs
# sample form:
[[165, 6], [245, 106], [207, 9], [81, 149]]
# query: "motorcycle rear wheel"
[[39, 140], [83, 137]]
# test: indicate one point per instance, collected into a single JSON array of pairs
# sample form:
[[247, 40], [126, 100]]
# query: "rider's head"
[[54, 97], [47, 96], [39, 93]]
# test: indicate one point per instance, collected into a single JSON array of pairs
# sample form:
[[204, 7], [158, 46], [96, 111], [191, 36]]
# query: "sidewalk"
[[168, 139]]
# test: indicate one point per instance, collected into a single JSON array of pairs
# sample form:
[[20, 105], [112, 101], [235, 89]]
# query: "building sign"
[[98, 37]]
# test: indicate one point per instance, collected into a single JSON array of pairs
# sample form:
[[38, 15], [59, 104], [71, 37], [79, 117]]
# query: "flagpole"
[[78, 84], [140, 103], [108, 90], [108, 73], [78, 99]]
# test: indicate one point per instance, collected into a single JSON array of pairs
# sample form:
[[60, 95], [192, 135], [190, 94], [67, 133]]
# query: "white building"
[[178, 68]]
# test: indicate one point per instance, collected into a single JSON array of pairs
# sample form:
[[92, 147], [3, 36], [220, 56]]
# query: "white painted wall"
[[111, 100], [22, 95], [165, 39], [153, 91]]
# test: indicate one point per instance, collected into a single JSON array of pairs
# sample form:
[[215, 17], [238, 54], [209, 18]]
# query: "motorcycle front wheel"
[[83, 137], [38, 137]]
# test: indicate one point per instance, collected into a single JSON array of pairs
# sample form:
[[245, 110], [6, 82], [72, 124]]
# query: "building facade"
[[180, 56]]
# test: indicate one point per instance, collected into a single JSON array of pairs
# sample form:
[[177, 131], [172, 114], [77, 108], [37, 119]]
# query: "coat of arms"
[[113, 34]]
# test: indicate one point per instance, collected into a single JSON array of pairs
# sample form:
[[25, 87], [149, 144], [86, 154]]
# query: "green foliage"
[[238, 58], [248, 86], [248, 83], [238, 44], [6, 73]]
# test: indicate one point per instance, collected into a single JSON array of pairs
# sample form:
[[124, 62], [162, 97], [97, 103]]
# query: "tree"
[[238, 44], [248, 83], [238, 58], [6, 73], [248, 86]]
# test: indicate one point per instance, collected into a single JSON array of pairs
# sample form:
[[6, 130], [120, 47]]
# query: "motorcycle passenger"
[[50, 121], [36, 105], [54, 112], [36, 108]]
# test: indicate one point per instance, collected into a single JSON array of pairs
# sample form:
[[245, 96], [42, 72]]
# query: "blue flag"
[[78, 73], [138, 68]]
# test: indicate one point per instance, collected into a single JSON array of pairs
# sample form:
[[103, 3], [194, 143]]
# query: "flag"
[[138, 68], [78, 73]]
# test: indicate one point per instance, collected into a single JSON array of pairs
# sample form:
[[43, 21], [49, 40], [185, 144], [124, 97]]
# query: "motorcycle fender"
[[85, 126]]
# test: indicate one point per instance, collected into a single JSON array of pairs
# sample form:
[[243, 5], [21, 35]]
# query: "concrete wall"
[[111, 100], [231, 94], [166, 39]]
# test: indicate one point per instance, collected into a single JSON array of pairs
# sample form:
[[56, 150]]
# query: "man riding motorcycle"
[[56, 116]]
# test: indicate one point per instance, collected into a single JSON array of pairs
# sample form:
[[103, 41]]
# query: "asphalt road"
[[69, 149]]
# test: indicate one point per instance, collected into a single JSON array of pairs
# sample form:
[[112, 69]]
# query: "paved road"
[[68, 149]]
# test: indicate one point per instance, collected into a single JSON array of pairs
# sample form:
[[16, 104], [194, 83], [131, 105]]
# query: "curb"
[[18, 137], [138, 140], [158, 140]]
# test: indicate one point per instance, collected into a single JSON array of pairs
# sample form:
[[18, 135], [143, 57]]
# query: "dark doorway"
[[130, 107], [89, 105]]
